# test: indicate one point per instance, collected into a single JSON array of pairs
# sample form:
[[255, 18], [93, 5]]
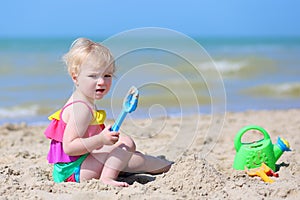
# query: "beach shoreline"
[[25, 173]]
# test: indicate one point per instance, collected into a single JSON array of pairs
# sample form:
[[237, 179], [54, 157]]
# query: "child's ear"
[[74, 78]]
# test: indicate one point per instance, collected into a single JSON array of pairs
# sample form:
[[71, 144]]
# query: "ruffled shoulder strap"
[[56, 128], [55, 115], [99, 117]]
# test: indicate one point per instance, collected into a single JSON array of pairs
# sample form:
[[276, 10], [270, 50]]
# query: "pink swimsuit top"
[[56, 128]]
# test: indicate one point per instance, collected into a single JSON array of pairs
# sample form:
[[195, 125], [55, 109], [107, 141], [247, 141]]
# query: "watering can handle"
[[239, 135]]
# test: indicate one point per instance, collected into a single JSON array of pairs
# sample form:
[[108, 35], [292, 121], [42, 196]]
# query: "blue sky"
[[229, 18]]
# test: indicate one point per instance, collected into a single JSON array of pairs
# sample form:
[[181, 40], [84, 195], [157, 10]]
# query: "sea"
[[174, 76]]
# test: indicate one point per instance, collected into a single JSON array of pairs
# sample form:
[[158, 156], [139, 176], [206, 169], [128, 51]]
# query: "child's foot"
[[110, 181]]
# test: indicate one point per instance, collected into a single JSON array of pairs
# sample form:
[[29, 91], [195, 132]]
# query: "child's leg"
[[147, 164], [117, 160], [106, 163], [92, 166]]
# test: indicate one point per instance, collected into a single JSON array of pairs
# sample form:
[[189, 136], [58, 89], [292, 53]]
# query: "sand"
[[202, 168]]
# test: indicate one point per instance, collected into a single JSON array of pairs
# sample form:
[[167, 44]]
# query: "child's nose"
[[100, 81]]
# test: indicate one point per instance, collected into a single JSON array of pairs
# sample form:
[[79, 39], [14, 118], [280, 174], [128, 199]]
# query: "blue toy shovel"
[[129, 105]]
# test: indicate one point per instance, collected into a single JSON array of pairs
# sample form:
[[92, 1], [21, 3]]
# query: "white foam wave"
[[292, 89], [288, 87], [18, 111], [224, 66], [277, 90]]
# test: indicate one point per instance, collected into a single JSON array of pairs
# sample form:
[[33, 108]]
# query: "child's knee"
[[129, 143]]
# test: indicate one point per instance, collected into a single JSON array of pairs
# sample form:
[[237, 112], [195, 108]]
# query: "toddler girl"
[[82, 147]]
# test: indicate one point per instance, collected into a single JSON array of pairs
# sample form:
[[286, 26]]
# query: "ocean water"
[[236, 74]]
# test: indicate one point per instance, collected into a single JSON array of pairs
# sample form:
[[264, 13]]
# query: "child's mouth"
[[100, 90]]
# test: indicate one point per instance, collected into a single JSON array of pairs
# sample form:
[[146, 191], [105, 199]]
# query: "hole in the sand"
[[131, 178], [282, 164]]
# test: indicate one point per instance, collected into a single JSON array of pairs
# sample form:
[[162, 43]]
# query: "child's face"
[[93, 81]]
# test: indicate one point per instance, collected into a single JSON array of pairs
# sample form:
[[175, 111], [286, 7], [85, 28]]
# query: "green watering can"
[[252, 155]]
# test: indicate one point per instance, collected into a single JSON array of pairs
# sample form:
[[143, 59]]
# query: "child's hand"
[[109, 137]]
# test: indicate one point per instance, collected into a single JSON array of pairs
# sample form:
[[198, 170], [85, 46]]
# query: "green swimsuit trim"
[[61, 171]]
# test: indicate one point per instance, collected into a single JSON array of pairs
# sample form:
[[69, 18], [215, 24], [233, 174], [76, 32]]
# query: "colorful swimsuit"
[[67, 168]]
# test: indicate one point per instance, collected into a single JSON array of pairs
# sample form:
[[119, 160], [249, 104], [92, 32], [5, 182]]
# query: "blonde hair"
[[83, 49]]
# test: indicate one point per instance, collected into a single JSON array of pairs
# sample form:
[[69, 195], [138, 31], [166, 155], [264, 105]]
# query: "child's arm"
[[78, 118]]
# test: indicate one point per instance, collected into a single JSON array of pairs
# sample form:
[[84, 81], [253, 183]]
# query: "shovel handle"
[[119, 121]]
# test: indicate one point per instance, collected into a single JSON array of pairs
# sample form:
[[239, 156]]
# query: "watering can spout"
[[281, 146]]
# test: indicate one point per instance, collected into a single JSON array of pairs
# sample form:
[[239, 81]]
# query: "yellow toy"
[[263, 172]]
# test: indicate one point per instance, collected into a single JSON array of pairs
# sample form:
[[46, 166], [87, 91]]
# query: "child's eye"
[[107, 75], [92, 76]]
